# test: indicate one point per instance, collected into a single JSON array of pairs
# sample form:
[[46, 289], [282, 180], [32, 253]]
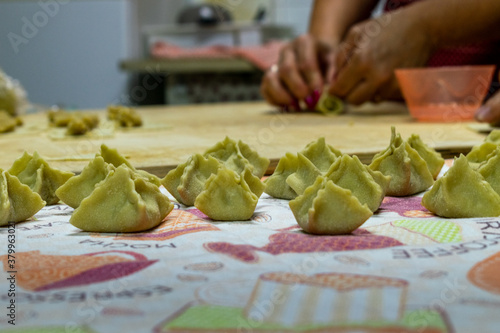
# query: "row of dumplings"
[[334, 193]]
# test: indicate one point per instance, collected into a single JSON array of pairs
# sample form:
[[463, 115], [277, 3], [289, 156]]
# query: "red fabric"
[[262, 56]]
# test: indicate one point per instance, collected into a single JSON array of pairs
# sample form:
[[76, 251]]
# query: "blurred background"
[[92, 53]]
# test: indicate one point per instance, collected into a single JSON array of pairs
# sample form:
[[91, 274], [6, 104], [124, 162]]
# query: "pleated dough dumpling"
[[321, 154], [493, 137], [237, 156], [490, 170], [123, 202], [408, 171], [480, 153], [276, 185], [17, 201], [462, 192], [326, 208], [79, 187], [349, 173], [112, 156], [35, 172], [433, 159], [194, 176], [227, 197], [304, 176]]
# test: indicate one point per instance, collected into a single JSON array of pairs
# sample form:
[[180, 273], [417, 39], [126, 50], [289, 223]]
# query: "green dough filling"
[[17, 201], [123, 202], [35, 172]]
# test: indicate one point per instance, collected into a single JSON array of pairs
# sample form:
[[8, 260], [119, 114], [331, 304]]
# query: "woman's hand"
[[372, 50], [304, 67], [490, 111]]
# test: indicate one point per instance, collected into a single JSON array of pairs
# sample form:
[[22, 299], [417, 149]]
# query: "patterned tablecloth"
[[404, 270]]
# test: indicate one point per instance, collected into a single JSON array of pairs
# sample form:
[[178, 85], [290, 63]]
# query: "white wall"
[[67, 52]]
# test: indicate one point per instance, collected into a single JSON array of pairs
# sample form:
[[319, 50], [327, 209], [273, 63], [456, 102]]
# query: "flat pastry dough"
[[462, 193], [17, 201], [408, 170], [123, 202], [35, 172], [326, 208]]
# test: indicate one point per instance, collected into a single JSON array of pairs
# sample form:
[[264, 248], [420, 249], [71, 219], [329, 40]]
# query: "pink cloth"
[[262, 56]]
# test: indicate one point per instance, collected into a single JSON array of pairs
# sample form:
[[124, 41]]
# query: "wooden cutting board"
[[171, 134]]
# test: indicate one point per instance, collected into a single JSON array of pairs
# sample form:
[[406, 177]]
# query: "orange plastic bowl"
[[444, 94]]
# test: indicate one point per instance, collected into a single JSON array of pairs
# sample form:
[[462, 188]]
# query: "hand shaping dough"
[[408, 170], [17, 201], [123, 202], [326, 208], [433, 159], [462, 192], [227, 196], [35, 172]]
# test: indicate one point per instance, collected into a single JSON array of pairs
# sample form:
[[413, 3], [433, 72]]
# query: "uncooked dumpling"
[[408, 171], [480, 153], [493, 137], [321, 154], [462, 192], [237, 156], [349, 173], [490, 170], [433, 159], [17, 201], [35, 172], [123, 202], [227, 197], [112, 156], [304, 176], [276, 185], [79, 187], [326, 208], [329, 104]]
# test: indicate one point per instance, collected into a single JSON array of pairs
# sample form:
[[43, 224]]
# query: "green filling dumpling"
[[433, 159], [349, 173], [227, 196], [123, 202], [490, 170], [480, 153], [462, 192], [35, 172], [112, 156], [276, 185], [237, 156], [17, 201], [291, 175], [329, 104], [326, 208], [408, 170], [493, 137], [79, 187]]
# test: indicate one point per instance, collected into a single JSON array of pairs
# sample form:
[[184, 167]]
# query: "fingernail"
[[482, 113], [310, 102]]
